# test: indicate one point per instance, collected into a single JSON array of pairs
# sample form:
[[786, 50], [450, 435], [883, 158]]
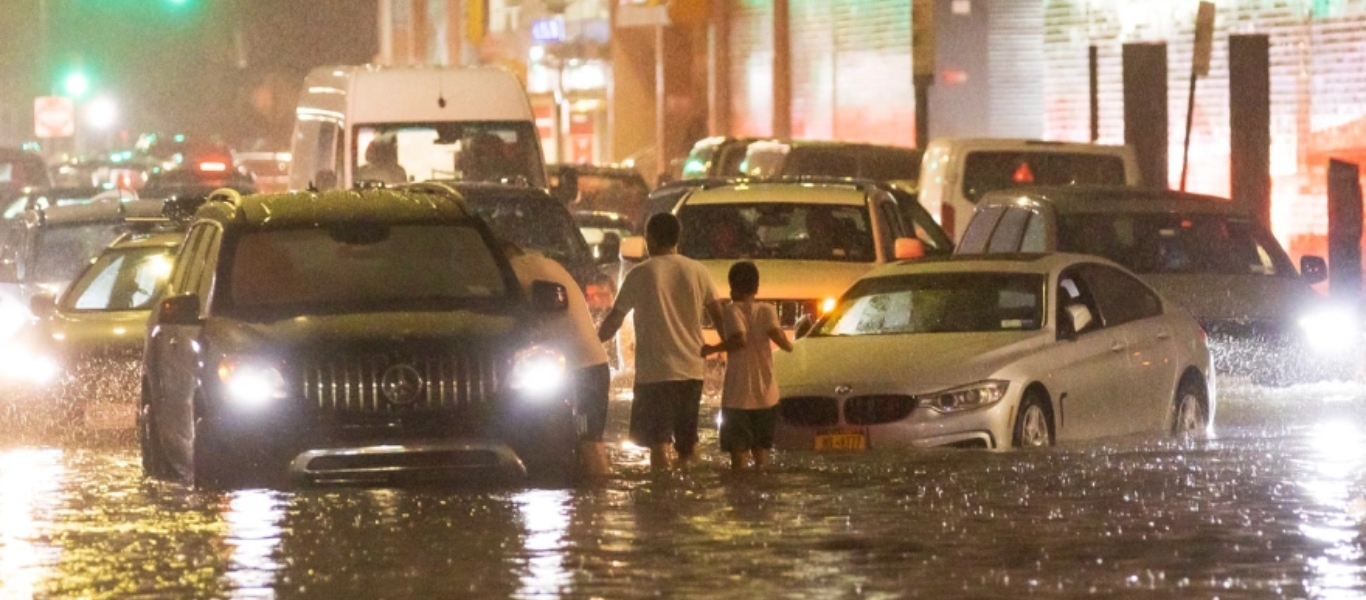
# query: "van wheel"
[[1033, 423]]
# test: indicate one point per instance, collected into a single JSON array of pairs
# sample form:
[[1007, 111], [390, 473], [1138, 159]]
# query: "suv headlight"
[[250, 384], [538, 371], [1330, 329], [19, 364], [968, 397]]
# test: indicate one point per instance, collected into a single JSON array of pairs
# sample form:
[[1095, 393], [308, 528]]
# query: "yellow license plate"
[[842, 441]]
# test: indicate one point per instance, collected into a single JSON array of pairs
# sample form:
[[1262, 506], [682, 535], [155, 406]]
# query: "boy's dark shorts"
[[666, 411], [748, 429], [592, 387]]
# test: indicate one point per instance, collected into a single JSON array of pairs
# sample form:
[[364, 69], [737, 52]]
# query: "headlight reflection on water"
[[253, 520], [1340, 450], [27, 478], [545, 515]]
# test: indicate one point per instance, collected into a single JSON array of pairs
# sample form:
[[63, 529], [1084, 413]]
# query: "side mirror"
[[43, 305], [804, 326], [181, 309], [633, 248], [567, 189], [609, 249], [549, 297], [909, 249], [1078, 318], [1313, 269]]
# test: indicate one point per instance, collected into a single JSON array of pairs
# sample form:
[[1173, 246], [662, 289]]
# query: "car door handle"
[[1164, 335], [1118, 346]]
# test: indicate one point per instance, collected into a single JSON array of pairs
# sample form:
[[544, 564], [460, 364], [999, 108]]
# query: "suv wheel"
[[153, 462]]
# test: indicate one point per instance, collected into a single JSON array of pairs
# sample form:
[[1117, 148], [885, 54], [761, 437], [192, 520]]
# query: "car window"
[[939, 303], [1176, 243], [1120, 298], [891, 228], [184, 257], [987, 171], [467, 151], [821, 162], [777, 230], [1035, 234], [611, 193], [890, 164], [350, 267], [121, 280], [539, 224], [1073, 291], [1009, 231], [204, 286], [979, 230], [193, 260]]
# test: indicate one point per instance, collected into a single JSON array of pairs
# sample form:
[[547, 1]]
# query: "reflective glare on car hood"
[[120, 328], [923, 362], [1233, 296], [794, 279], [372, 327]]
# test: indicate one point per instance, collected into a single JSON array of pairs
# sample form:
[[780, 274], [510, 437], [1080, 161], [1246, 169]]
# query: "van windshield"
[[990, 171], [1176, 243], [463, 151]]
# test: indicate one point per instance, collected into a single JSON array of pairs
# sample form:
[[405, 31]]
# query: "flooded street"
[[1273, 506]]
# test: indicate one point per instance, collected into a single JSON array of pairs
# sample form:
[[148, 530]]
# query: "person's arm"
[[611, 324], [775, 329], [625, 302], [734, 327], [735, 342]]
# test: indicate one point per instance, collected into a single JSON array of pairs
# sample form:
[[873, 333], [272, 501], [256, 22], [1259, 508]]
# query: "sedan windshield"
[[127, 279], [1175, 243], [774, 230], [940, 303], [475, 151], [361, 267]]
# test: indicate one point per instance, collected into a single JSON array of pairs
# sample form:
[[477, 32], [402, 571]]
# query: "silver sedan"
[[994, 352]]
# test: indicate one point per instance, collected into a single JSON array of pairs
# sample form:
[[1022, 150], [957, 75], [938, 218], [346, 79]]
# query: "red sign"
[[54, 116]]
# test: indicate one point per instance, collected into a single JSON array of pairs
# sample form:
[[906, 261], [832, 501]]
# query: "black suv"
[[350, 336]]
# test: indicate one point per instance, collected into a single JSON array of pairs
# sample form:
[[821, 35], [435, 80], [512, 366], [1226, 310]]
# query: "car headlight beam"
[[1330, 330], [539, 371], [968, 397], [251, 384]]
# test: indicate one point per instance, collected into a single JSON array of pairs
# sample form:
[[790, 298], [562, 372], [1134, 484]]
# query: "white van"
[[398, 125], [956, 172]]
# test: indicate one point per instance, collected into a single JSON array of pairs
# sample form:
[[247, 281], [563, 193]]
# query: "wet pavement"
[[1274, 505]]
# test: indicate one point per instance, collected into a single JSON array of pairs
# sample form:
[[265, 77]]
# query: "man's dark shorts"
[[592, 386], [666, 412], [743, 430]]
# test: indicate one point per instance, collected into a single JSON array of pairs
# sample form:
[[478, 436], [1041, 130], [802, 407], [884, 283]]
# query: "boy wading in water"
[[749, 400], [666, 295]]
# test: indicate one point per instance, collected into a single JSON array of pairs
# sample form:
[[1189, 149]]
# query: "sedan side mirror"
[[909, 249], [181, 309], [43, 305], [1313, 269], [633, 248], [549, 297]]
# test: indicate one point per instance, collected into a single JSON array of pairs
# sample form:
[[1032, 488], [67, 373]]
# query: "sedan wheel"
[[1033, 427], [1189, 416]]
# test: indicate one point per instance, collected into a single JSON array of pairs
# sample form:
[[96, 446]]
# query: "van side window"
[[979, 230], [1008, 232]]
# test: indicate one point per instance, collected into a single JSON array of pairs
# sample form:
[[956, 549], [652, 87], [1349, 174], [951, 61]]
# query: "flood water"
[[1273, 506]]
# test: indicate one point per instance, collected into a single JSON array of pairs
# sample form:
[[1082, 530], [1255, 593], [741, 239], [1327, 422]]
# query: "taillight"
[[213, 166]]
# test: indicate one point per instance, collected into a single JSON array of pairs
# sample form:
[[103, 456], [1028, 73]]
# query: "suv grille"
[[876, 410], [358, 384], [812, 411]]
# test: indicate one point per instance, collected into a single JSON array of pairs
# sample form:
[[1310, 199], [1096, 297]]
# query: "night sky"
[[224, 67]]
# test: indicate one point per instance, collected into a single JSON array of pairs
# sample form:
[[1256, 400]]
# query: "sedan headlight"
[[968, 397], [538, 371], [23, 366], [1330, 329], [250, 384]]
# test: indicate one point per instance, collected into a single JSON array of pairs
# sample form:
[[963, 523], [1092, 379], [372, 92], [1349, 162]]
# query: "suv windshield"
[[776, 230], [940, 303], [362, 267], [483, 151], [1175, 243], [990, 171], [63, 250], [127, 279]]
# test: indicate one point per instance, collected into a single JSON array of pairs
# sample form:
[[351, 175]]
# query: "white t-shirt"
[[666, 295], [750, 383], [571, 331]]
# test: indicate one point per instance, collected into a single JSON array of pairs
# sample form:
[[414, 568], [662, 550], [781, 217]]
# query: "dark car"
[[20, 173], [601, 189], [350, 336], [716, 157], [196, 181], [531, 218]]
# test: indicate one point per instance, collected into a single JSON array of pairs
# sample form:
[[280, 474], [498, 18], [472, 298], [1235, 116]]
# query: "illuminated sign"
[[547, 30]]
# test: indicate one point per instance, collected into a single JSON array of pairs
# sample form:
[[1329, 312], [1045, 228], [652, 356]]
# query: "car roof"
[[850, 194], [1023, 144], [1038, 263], [482, 191], [601, 170], [293, 209], [1083, 199], [110, 210]]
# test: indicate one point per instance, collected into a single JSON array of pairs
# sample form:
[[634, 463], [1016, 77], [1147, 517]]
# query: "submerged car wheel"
[[153, 463], [1033, 424], [1189, 415]]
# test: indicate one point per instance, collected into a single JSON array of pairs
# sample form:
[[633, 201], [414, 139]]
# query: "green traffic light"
[[76, 84]]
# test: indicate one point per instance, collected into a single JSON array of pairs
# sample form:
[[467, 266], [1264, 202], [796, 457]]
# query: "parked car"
[[76, 364], [351, 336], [994, 352], [809, 240], [716, 158], [957, 172], [812, 158], [1208, 255]]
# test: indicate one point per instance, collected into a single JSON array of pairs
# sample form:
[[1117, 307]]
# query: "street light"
[[101, 113], [76, 84]]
